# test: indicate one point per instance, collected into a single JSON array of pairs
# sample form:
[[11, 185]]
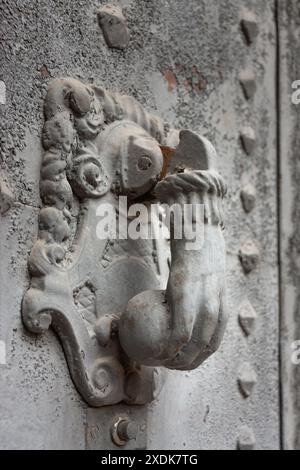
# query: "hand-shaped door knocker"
[[107, 298]]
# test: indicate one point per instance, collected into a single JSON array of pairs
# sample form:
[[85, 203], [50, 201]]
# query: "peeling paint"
[[171, 79]]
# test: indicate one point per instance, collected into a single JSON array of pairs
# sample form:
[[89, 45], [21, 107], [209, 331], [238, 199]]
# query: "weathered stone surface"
[[248, 197], [249, 26], [248, 138], [114, 26], [247, 317], [248, 83], [6, 197], [246, 440], [247, 379], [249, 256]]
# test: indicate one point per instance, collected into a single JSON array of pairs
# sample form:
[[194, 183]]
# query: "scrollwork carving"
[[116, 319]]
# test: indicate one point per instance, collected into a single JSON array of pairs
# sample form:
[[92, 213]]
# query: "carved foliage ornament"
[[106, 299]]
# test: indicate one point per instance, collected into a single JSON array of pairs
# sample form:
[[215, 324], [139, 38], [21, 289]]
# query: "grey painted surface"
[[204, 409], [290, 255], [39, 406], [184, 61]]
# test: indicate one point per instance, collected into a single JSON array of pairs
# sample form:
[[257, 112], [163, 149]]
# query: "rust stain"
[[189, 76], [167, 152], [196, 81], [179, 278], [171, 79], [44, 71]]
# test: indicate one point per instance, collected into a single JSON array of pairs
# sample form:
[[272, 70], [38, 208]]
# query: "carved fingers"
[[209, 327]]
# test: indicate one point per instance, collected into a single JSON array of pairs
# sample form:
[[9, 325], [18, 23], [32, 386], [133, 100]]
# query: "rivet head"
[[123, 430], [114, 26], [248, 198], [247, 379], [249, 26], [127, 430], [249, 255], [246, 440], [6, 197], [248, 83], [248, 139], [247, 318]]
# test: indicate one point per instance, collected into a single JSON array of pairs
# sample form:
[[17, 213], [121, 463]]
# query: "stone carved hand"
[[184, 325], [99, 145]]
